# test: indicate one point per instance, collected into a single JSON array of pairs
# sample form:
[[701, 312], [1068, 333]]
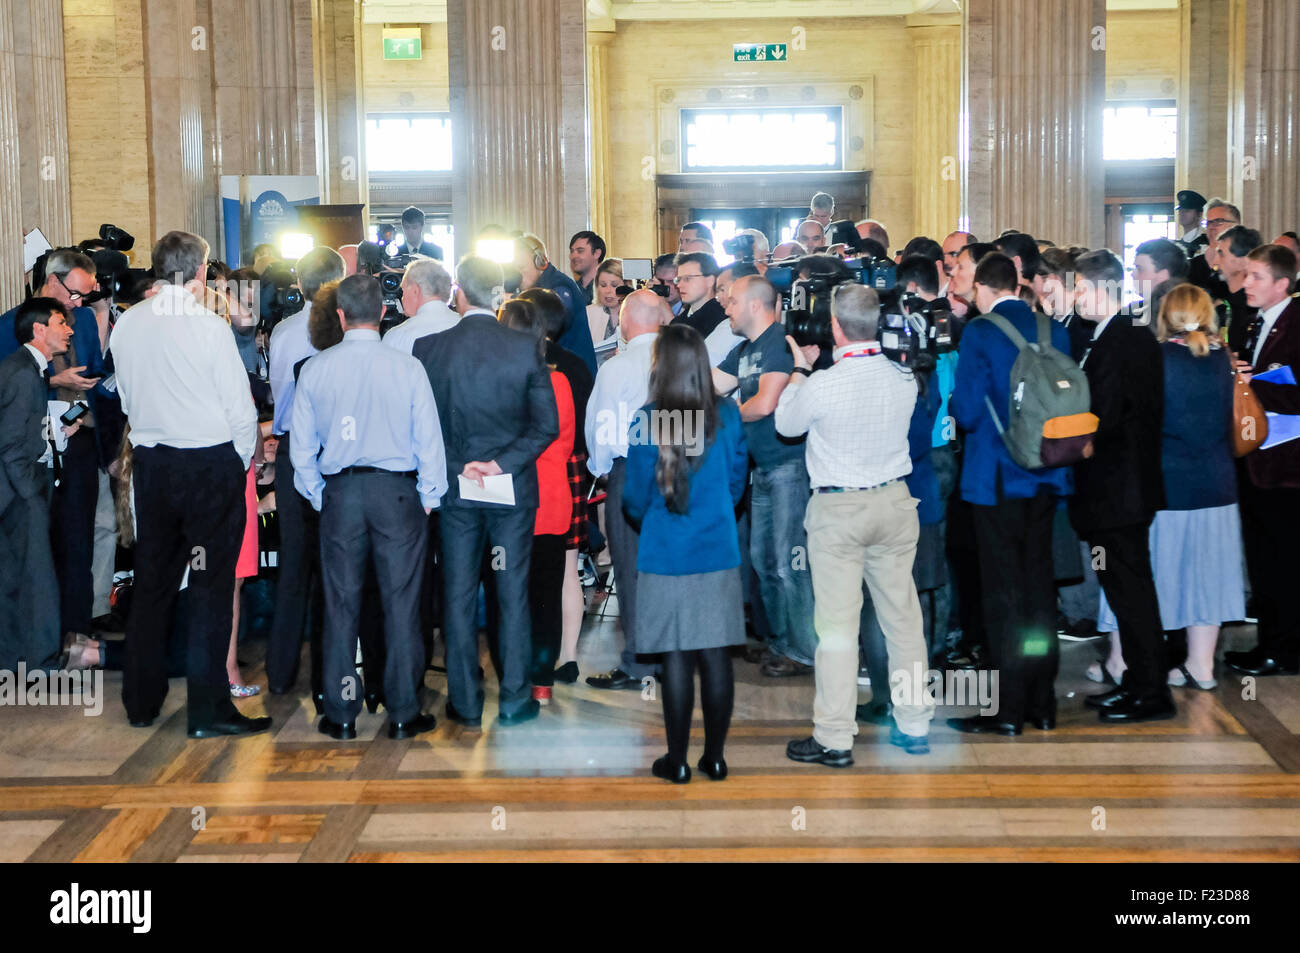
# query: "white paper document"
[[495, 489], [34, 246]]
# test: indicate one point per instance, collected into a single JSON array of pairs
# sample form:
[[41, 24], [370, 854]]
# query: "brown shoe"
[[778, 666]]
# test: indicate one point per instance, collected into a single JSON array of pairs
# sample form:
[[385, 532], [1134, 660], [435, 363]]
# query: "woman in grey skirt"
[[686, 468]]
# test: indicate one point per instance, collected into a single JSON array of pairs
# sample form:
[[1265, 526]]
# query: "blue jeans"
[[778, 546]]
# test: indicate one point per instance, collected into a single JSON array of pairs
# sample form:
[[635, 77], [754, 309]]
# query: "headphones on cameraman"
[[534, 245]]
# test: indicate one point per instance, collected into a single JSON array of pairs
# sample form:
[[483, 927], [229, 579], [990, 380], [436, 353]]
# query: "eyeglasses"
[[680, 278], [1206, 222], [74, 295]]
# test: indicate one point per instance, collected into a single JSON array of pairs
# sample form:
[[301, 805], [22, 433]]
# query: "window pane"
[[1140, 132], [785, 139], [408, 143]]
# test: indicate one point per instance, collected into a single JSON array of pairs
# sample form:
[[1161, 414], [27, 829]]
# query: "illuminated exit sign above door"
[[401, 47], [758, 52]]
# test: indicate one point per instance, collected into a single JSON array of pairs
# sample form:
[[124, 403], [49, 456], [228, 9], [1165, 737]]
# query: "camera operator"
[[811, 235], [413, 242], [861, 522], [750, 246], [696, 281], [822, 209], [426, 287], [663, 283], [693, 232], [537, 271]]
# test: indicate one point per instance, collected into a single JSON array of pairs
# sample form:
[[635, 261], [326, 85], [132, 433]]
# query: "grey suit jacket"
[[23, 407]]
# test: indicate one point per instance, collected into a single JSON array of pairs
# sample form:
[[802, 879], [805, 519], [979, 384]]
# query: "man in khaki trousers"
[[861, 523]]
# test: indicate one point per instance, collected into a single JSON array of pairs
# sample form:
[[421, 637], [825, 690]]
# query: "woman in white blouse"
[[602, 316]]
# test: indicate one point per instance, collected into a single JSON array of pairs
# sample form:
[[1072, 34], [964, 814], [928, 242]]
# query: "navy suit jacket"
[[576, 336], [984, 363]]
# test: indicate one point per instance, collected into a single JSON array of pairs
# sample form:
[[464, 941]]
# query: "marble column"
[[1034, 93], [339, 100], [1268, 177], [33, 134], [1205, 92], [936, 181], [602, 174], [518, 106]]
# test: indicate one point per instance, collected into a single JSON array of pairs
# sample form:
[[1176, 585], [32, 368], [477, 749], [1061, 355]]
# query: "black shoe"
[[1045, 723], [1140, 708], [781, 666], [527, 713], [1085, 630], [373, 701], [964, 658], [876, 714], [985, 725], [676, 773], [339, 731], [811, 751], [567, 673], [232, 724], [614, 679], [1257, 663], [409, 729], [716, 770], [912, 744], [458, 718], [1106, 699], [318, 699], [143, 722]]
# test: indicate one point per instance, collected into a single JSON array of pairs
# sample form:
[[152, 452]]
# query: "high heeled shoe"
[[676, 773], [716, 770], [373, 701]]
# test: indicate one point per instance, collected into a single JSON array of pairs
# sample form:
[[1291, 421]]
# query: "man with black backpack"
[[1017, 395]]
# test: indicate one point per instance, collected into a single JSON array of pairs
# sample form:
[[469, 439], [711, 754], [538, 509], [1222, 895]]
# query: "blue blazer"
[[922, 482], [703, 539], [576, 336], [984, 368]]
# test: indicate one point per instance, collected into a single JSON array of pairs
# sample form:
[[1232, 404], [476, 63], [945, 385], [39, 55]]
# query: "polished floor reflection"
[[1219, 782]]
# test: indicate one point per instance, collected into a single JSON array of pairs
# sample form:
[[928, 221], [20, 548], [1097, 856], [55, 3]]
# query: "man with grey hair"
[[426, 288], [862, 525], [822, 208], [193, 430], [692, 245], [1202, 269], [762, 249], [498, 413]]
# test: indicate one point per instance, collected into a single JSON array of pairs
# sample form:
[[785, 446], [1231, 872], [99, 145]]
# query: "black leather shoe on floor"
[[235, 724], [876, 714], [454, 716], [779, 666], [811, 751], [373, 701], [676, 773], [409, 729], [1256, 663], [318, 700], [1140, 708], [1106, 699], [527, 713], [912, 744], [142, 723], [344, 731], [615, 679], [1047, 723], [567, 673], [985, 725], [716, 770]]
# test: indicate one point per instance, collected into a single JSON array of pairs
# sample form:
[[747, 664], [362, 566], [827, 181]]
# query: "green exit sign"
[[402, 48], [758, 52]]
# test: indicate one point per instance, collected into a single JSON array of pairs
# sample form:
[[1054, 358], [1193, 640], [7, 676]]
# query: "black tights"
[[717, 691]]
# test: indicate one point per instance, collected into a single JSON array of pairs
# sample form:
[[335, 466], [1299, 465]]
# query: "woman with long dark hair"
[[686, 467]]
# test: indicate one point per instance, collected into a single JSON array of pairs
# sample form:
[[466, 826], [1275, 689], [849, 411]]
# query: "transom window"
[[1139, 131], [776, 139], [409, 143]]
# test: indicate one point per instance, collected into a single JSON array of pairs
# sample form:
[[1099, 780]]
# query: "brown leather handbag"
[[1249, 423]]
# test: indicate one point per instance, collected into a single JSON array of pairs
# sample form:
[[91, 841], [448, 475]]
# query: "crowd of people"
[[416, 477]]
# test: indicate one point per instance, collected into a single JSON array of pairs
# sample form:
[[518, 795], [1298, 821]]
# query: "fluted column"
[[936, 184], [518, 107], [1035, 89], [1205, 91], [598, 113], [1269, 174], [340, 100], [11, 206]]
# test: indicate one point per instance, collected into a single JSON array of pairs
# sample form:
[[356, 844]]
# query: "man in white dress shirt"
[[193, 430], [426, 286], [621, 389]]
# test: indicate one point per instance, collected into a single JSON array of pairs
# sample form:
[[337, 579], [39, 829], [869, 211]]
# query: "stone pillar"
[[33, 135], [1035, 89], [518, 107], [936, 185], [340, 101], [1206, 86], [602, 222], [1268, 177]]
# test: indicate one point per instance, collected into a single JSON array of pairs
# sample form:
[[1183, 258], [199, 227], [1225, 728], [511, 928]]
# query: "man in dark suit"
[[498, 413], [1270, 498], [413, 242], [29, 616], [697, 276], [1012, 508], [1118, 490], [536, 271], [1188, 208]]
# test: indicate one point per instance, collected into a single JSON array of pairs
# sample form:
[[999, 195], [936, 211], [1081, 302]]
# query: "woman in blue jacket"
[[686, 468]]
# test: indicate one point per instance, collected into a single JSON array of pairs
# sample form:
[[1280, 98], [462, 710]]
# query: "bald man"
[[870, 228], [349, 255], [952, 246], [622, 387], [811, 235], [788, 250], [697, 244], [759, 367]]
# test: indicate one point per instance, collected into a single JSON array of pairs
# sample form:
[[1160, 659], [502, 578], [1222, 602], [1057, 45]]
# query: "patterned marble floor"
[[1219, 782]]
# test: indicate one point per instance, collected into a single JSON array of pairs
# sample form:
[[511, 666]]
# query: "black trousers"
[[1018, 595], [466, 530], [189, 509], [431, 590], [298, 597], [379, 516], [1269, 519], [545, 602], [1123, 559], [72, 530]]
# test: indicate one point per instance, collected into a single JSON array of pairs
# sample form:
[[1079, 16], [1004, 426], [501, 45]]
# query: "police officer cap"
[[1189, 199]]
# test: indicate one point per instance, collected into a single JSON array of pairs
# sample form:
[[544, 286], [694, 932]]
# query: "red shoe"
[[542, 694]]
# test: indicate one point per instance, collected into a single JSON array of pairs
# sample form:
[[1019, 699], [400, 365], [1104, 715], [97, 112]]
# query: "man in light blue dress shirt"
[[368, 455]]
